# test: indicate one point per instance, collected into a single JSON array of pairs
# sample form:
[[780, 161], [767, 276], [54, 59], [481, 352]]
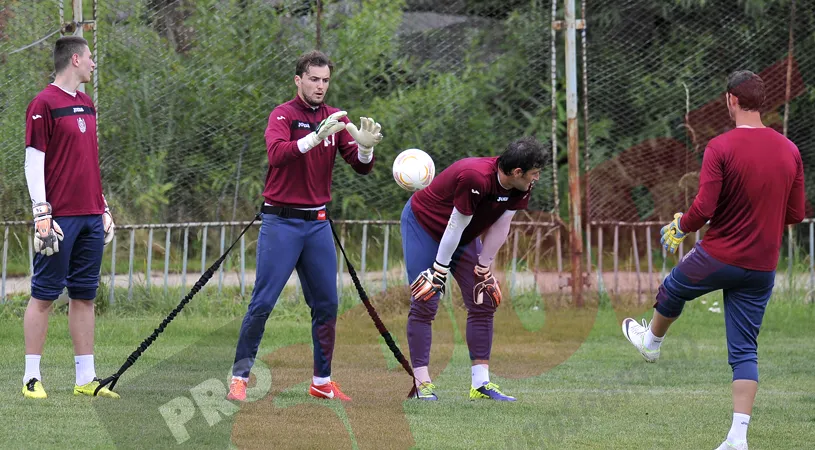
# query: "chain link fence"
[[657, 74], [186, 87]]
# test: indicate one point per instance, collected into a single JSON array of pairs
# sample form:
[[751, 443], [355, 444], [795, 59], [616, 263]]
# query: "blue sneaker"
[[489, 391], [425, 391]]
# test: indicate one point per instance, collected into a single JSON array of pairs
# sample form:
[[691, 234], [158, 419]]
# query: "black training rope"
[[205, 277], [374, 315]]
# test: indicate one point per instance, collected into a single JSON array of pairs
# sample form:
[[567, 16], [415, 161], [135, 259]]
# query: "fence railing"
[[622, 257]]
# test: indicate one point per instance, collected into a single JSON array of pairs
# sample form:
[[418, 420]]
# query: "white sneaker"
[[728, 446], [635, 333]]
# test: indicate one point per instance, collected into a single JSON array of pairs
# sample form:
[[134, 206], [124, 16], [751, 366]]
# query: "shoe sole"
[[34, 398], [626, 324]]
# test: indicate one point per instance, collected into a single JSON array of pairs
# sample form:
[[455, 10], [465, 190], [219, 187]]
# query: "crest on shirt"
[[81, 122]]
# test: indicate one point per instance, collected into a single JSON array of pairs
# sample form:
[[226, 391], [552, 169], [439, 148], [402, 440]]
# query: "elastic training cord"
[[374, 315], [205, 277]]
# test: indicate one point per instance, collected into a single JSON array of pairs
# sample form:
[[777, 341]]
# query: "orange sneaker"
[[237, 390], [331, 390]]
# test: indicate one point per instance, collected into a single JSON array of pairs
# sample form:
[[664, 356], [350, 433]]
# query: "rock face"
[[443, 39]]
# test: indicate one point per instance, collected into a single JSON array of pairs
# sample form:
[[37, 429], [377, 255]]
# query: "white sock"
[[481, 375], [422, 375], [652, 342], [239, 378], [319, 381], [738, 431], [32, 368], [85, 370]]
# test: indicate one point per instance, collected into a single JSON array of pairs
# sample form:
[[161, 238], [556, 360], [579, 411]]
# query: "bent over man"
[[441, 225]]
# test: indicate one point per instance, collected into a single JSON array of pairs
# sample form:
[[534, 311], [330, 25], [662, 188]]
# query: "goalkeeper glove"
[[107, 224], [486, 287], [47, 233], [430, 282], [367, 136], [672, 236], [330, 125]]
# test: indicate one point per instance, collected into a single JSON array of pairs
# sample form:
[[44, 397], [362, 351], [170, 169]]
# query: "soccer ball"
[[413, 169]]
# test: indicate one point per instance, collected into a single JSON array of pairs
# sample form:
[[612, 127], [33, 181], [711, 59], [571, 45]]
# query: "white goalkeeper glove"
[[108, 225], [325, 129], [47, 233], [367, 136]]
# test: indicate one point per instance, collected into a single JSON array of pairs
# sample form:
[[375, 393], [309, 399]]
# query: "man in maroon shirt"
[[750, 187], [71, 219], [441, 225], [303, 138]]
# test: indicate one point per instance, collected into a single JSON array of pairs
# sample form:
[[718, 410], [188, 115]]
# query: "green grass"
[[578, 381]]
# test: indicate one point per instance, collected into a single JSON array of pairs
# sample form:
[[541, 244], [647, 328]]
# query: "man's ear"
[[297, 80], [517, 172]]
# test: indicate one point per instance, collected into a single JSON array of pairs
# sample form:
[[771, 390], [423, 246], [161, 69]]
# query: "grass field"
[[579, 383]]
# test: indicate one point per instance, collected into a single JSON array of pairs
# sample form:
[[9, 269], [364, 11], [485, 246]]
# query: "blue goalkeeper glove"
[[672, 236]]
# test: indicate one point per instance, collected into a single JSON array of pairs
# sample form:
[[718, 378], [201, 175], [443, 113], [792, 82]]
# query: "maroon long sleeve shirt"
[[750, 186], [303, 180]]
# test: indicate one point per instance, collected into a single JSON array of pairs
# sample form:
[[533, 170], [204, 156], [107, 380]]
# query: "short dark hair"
[[526, 153], [314, 58], [748, 88], [65, 48]]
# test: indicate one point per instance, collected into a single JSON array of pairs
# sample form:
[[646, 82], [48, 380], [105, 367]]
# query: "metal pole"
[[364, 252], [537, 259], [600, 283], [243, 266], [650, 261], [575, 206], [585, 115], [221, 267], [166, 259], [77, 5], [204, 251], [112, 298], [790, 258], [636, 262], [616, 259], [512, 288], [553, 76], [5, 263], [385, 259], [149, 259], [130, 264], [184, 260], [588, 249], [811, 259]]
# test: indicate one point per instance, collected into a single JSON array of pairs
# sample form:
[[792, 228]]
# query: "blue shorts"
[[76, 265], [746, 294]]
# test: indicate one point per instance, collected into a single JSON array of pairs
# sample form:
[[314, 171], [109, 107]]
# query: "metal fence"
[[130, 262], [183, 89], [623, 259]]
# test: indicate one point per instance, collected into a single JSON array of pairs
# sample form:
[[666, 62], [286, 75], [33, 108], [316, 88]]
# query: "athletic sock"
[[738, 431], [481, 375], [652, 342], [422, 375], [32, 368], [85, 370], [319, 381]]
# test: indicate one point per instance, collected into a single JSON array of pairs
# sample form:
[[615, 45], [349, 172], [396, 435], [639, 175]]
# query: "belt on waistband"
[[293, 213]]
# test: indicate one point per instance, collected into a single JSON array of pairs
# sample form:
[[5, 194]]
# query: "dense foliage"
[[185, 88]]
